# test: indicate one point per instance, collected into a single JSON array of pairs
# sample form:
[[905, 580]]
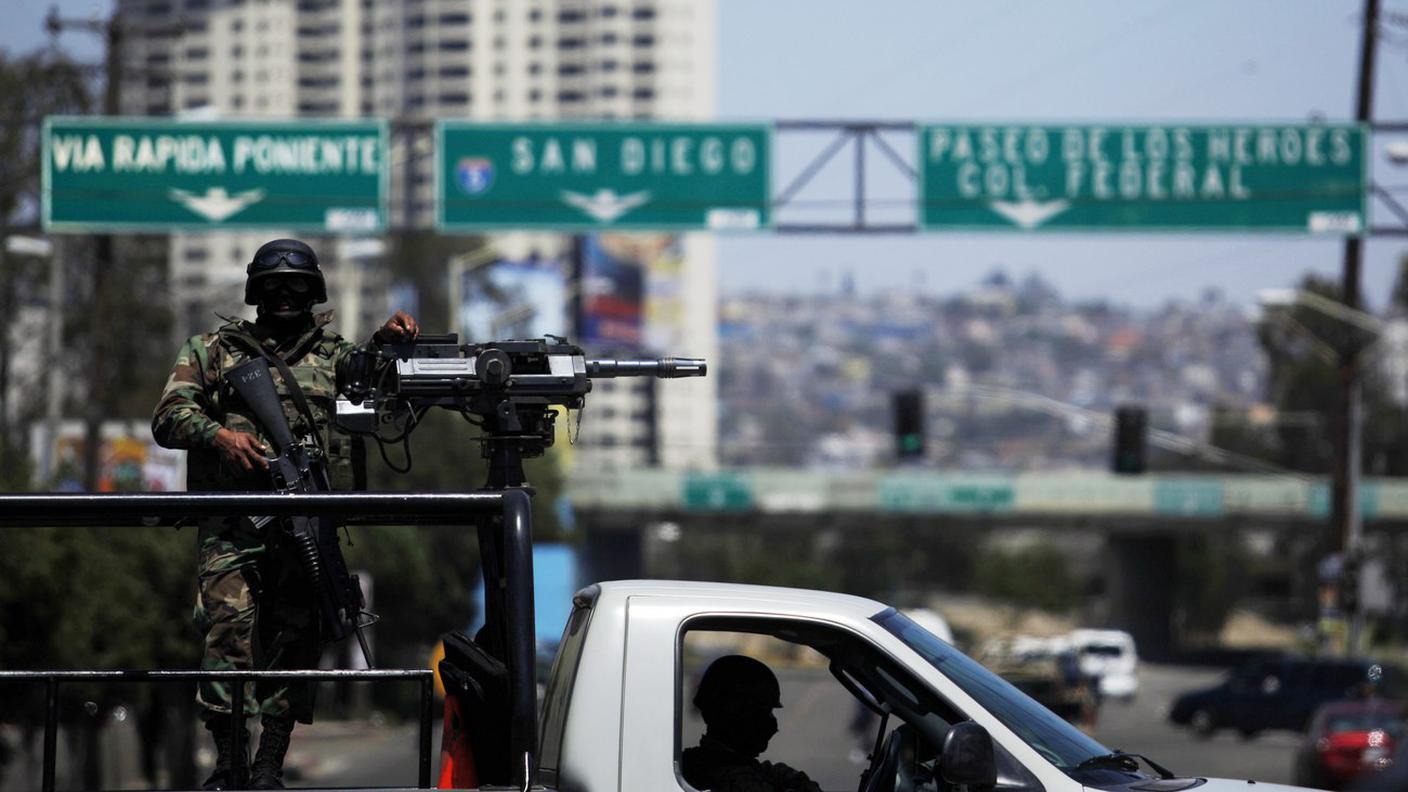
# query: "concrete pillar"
[[1140, 570]]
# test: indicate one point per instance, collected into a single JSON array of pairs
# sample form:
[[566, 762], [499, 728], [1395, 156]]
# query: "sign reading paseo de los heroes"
[[133, 174], [1268, 177]]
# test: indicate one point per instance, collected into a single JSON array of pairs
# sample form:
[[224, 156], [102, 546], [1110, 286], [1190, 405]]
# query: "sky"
[[1021, 61]]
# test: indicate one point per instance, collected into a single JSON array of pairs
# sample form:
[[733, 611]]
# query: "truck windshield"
[[1058, 741]]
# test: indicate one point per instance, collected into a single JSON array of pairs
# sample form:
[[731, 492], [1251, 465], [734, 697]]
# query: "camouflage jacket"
[[196, 402]]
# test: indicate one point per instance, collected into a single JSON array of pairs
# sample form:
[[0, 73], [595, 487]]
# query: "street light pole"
[[1344, 504]]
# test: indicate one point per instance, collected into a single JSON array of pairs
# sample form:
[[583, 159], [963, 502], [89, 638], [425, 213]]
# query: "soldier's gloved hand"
[[400, 327], [241, 450]]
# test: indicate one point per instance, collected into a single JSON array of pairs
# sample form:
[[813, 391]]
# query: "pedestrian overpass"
[[1138, 515]]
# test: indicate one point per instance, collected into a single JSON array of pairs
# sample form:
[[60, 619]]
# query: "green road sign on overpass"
[[589, 176], [165, 175], [1175, 177]]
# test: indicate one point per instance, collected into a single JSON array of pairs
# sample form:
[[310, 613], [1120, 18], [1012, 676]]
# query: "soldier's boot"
[[268, 769], [220, 728]]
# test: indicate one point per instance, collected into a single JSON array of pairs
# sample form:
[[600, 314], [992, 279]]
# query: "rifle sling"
[[290, 382]]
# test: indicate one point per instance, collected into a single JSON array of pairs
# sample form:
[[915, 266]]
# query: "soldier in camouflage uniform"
[[255, 606]]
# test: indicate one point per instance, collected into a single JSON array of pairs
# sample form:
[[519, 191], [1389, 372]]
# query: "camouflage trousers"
[[255, 608]]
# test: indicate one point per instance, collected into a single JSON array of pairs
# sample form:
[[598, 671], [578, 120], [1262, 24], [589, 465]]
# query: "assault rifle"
[[300, 467]]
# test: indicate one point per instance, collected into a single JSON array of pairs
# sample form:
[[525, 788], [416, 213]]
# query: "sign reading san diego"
[[1244, 177], [619, 175], [139, 174]]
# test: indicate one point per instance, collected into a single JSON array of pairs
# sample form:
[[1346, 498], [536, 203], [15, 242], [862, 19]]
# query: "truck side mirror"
[[967, 756]]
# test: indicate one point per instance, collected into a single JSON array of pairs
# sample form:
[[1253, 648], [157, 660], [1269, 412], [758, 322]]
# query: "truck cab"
[[617, 714]]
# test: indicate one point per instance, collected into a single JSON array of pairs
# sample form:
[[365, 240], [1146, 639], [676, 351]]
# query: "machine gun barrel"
[[664, 368]]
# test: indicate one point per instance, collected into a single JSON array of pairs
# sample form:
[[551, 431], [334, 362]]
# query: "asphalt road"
[[815, 737]]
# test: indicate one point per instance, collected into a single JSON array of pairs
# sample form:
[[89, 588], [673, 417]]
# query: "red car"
[[1348, 740]]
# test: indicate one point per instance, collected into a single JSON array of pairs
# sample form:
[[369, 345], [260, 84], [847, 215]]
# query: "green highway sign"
[[597, 176], [1173, 177], [165, 175]]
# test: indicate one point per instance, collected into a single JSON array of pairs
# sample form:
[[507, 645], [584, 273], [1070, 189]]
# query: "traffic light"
[[1131, 434], [909, 424]]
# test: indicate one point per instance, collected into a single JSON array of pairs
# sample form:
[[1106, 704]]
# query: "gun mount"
[[511, 389]]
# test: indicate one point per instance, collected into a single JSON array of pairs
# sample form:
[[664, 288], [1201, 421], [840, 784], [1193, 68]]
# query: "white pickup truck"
[[617, 712]]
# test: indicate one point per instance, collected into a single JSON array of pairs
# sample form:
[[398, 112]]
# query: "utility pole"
[[104, 258], [1344, 509]]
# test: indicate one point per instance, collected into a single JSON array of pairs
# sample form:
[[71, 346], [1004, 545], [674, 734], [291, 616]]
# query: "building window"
[[609, 65], [535, 42], [570, 43], [454, 45], [454, 98], [158, 58], [535, 68], [643, 40], [569, 69], [236, 51], [499, 97], [535, 15], [569, 96], [535, 95], [607, 11], [643, 93], [643, 67], [196, 78], [643, 13], [455, 19], [159, 109], [609, 91], [609, 38], [237, 101], [197, 53], [417, 21], [571, 15], [236, 26], [452, 72]]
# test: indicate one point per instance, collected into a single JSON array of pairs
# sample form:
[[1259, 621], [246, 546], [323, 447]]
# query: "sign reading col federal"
[[1244, 177], [166, 175], [588, 176]]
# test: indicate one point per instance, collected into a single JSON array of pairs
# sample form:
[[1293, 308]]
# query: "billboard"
[[632, 292], [128, 459], [611, 281], [515, 299]]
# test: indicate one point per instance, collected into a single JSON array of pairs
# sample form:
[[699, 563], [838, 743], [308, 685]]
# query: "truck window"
[[823, 730], [559, 692]]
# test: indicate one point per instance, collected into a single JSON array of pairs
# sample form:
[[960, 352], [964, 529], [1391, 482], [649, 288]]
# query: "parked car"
[[1110, 657], [1279, 693], [1048, 670], [1349, 740]]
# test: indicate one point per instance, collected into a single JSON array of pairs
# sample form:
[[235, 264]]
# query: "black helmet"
[[737, 676], [284, 257]]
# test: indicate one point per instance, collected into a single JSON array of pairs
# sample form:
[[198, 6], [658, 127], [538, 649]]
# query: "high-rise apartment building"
[[413, 61]]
